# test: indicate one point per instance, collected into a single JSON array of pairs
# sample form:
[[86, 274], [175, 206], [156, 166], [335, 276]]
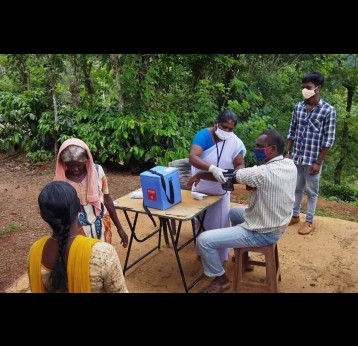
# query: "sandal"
[[214, 287]]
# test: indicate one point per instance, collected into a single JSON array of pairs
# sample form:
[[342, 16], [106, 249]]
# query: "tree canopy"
[[144, 109]]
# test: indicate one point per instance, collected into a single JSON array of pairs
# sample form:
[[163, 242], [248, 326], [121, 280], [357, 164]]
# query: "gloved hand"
[[218, 173]]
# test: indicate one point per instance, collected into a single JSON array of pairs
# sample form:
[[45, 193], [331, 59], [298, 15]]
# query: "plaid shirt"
[[311, 131]]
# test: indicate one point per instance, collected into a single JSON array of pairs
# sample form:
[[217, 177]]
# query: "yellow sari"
[[78, 265]]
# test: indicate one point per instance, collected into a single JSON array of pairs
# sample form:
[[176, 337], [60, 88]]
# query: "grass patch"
[[330, 213], [10, 228]]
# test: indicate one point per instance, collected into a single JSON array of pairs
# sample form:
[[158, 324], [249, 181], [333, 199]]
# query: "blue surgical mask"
[[260, 154]]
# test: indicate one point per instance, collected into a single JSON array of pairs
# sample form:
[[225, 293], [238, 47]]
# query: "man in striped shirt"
[[267, 215], [311, 135]]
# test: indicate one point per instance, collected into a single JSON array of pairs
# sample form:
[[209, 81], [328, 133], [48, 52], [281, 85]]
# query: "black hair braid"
[[59, 206], [59, 273]]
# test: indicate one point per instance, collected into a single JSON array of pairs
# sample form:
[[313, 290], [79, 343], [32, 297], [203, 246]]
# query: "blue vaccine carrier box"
[[161, 187]]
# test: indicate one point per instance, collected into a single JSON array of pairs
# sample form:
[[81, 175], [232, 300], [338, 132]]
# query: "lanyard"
[[217, 153]]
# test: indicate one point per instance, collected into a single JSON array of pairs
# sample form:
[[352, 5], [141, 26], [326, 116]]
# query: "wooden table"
[[169, 220]]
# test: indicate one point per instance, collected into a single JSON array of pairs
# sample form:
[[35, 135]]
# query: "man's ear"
[[274, 148]]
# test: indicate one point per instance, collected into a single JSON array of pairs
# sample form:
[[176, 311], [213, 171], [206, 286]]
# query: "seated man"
[[267, 215]]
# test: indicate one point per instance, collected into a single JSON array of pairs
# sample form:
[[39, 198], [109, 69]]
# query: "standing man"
[[311, 135]]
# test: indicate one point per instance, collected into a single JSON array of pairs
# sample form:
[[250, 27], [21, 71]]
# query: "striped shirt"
[[311, 131], [271, 202]]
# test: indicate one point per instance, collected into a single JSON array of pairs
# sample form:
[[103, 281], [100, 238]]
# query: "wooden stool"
[[271, 263]]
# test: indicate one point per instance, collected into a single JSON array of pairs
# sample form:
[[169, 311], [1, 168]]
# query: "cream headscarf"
[[93, 194]]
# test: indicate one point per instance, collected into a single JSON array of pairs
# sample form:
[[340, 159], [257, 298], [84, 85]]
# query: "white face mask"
[[223, 135], [307, 93]]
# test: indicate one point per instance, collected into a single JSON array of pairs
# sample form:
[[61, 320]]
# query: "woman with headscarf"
[[75, 165]]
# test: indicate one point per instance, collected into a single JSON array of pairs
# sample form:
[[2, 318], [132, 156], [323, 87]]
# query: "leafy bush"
[[17, 122], [338, 192], [40, 156]]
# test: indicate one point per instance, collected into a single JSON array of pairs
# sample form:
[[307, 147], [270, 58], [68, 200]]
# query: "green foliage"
[[339, 192], [17, 122], [248, 133], [166, 99], [40, 156], [345, 73], [205, 103], [36, 101], [113, 137]]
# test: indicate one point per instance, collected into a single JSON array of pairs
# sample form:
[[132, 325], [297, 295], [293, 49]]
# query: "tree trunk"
[[86, 70], [338, 171], [345, 135], [54, 100], [231, 73], [197, 72], [27, 79], [115, 65], [24, 73], [19, 63], [143, 68], [74, 90]]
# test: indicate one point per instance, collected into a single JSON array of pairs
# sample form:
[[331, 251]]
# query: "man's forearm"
[[289, 146], [322, 155]]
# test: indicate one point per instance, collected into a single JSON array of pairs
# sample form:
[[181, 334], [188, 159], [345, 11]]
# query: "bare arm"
[[239, 162], [289, 148], [198, 162], [108, 202], [317, 164]]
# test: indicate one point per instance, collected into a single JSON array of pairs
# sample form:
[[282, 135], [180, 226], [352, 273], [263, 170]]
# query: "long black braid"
[[59, 206]]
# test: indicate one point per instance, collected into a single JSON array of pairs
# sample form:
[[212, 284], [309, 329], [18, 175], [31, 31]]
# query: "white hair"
[[74, 153]]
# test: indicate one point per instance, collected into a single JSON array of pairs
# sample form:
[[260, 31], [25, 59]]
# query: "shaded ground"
[[323, 261]]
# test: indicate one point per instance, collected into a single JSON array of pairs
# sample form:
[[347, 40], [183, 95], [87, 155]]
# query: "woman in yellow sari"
[[68, 261]]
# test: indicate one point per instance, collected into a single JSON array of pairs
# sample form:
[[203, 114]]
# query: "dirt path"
[[324, 261]]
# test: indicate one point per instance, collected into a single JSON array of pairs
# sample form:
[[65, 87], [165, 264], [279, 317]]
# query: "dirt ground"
[[324, 261]]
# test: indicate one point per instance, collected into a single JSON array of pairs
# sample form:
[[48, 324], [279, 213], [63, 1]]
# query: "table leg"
[[176, 251], [134, 236], [201, 219], [173, 224], [132, 228], [175, 242], [165, 231]]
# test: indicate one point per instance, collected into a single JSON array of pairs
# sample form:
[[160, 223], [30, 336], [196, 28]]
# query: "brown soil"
[[323, 261]]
